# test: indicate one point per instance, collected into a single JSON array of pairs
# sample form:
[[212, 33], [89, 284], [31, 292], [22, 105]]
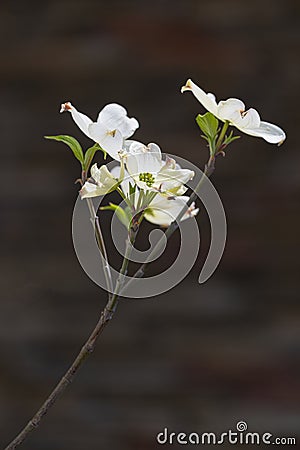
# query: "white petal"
[[114, 117], [104, 182], [102, 176], [250, 119], [115, 171], [230, 109], [127, 144], [159, 217], [170, 180], [180, 190], [207, 100], [67, 106], [192, 211], [154, 148], [269, 132], [105, 176], [91, 190], [137, 147], [81, 120], [111, 142], [163, 211], [95, 172], [132, 166], [145, 161], [212, 96], [171, 163]]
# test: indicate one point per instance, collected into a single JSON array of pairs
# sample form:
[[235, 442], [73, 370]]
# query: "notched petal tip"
[[170, 163], [192, 211], [82, 193], [187, 87], [65, 107], [282, 141], [122, 154]]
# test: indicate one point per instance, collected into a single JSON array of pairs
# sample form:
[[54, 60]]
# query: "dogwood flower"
[[148, 170], [101, 183], [161, 210], [111, 129], [234, 111]]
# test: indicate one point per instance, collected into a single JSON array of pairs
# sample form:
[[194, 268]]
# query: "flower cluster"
[[149, 183]]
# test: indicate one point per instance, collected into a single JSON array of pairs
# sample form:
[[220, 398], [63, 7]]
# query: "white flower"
[[234, 111], [161, 210], [164, 210], [148, 170], [101, 183], [111, 128]]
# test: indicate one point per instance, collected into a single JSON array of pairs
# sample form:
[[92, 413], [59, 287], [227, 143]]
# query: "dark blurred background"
[[198, 358]]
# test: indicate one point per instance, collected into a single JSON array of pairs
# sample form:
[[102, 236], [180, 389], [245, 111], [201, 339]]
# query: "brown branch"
[[87, 349]]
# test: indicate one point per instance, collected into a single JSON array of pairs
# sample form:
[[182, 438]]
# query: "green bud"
[[123, 215], [147, 178]]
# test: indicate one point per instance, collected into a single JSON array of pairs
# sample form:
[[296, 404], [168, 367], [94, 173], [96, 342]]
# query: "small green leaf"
[[122, 214], [132, 188], [89, 155], [229, 139], [72, 143], [208, 124]]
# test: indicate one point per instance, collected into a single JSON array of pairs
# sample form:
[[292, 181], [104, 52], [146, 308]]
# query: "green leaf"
[[123, 215], [72, 143], [89, 155], [208, 124]]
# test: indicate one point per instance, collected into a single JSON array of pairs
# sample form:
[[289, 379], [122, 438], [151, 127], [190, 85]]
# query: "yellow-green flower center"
[[147, 178]]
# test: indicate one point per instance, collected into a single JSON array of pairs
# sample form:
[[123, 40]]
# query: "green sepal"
[[123, 214], [229, 139], [208, 124], [132, 190], [89, 155], [72, 143]]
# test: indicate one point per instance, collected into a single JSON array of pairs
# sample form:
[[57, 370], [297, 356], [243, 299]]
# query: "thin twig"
[[105, 316], [128, 250], [87, 349], [68, 377], [100, 240], [101, 246]]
